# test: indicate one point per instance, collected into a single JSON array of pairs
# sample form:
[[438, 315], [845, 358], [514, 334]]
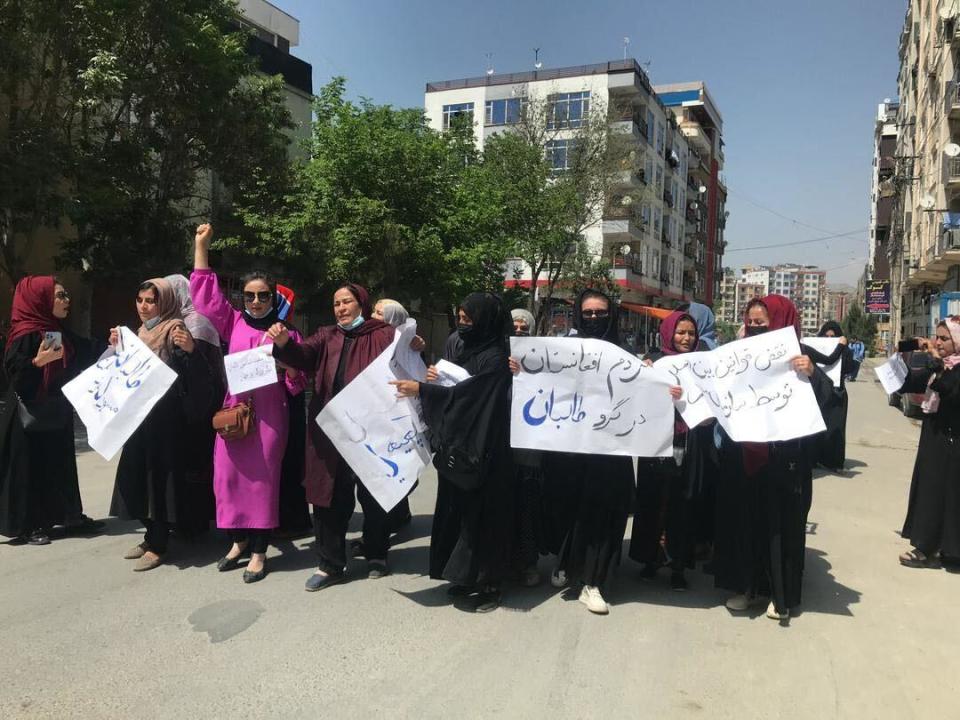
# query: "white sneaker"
[[591, 597], [559, 578], [774, 615]]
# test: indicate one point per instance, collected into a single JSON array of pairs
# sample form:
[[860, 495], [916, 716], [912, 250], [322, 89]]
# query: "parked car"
[[909, 403]]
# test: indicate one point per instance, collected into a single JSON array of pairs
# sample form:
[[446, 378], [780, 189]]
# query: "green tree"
[[384, 201], [114, 114], [857, 324]]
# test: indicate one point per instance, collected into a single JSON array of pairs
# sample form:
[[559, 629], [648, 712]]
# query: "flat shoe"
[[319, 582], [136, 552], [487, 601], [226, 564], [252, 577], [459, 591], [377, 569], [86, 526], [38, 538], [147, 563]]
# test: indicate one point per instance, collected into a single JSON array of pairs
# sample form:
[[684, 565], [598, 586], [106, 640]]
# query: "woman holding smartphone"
[[38, 468]]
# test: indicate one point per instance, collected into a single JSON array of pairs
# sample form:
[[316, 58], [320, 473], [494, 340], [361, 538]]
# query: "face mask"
[[521, 333], [357, 322], [465, 331], [594, 327], [266, 312], [756, 330], [152, 323]]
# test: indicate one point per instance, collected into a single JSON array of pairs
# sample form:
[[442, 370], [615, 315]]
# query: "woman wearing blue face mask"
[[335, 355]]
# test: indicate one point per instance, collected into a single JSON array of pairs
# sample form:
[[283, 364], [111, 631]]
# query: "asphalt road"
[[84, 636]]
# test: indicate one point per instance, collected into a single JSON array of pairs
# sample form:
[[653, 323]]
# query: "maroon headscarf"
[[783, 314], [781, 310], [668, 327], [33, 313], [366, 309]]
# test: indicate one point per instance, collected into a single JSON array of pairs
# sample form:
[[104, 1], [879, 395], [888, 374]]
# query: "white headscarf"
[[394, 314], [527, 317], [197, 324]]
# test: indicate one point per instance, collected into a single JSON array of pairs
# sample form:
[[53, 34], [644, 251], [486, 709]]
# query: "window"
[[645, 214], [568, 109], [657, 221], [660, 138], [648, 170], [452, 111], [659, 177], [504, 112], [560, 154], [650, 126]]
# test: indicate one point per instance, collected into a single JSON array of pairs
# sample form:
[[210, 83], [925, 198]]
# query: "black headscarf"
[[828, 326], [492, 325], [274, 316], [600, 328]]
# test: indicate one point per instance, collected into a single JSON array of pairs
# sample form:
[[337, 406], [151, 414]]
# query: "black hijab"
[[492, 325], [830, 325], [602, 329]]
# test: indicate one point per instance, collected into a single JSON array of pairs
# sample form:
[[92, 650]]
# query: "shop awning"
[[657, 312]]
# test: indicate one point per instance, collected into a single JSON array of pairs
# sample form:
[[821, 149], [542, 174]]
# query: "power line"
[[798, 242], [778, 214]]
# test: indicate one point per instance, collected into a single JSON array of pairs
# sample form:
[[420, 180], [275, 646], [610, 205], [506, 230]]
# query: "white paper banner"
[[115, 395], [826, 346], [892, 374], [750, 387], [382, 437], [250, 369], [450, 373], [588, 396]]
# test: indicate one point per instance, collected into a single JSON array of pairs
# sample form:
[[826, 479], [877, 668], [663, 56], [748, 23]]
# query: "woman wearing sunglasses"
[[246, 471], [38, 466]]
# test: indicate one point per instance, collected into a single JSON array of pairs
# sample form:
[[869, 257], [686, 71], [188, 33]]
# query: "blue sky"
[[798, 84]]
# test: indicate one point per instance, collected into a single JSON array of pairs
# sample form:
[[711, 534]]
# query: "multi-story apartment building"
[[700, 123], [837, 303], [656, 225], [882, 192], [726, 307], [924, 241], [805, 285]]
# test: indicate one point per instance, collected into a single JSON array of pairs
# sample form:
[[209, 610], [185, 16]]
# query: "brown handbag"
[[234, 422]]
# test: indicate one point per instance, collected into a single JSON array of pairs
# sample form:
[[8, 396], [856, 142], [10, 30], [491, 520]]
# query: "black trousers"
[[330, 523], [257, 540], [157, 535]]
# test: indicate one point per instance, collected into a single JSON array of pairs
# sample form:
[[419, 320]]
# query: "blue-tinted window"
[[452, 111], [651, 126], [568, 109], [504, 112], [560, 154]]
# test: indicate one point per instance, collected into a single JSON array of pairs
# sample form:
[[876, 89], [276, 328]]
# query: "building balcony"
[[630, 178], [696, 136], [668, 197], [622, 229], [951, 174], [952, 97], [938, 259]]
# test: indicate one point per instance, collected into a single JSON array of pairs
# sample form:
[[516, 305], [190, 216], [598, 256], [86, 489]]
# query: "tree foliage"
[[113, 115], [857, 324]]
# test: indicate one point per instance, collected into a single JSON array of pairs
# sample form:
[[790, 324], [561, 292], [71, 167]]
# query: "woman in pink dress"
[[246, 471]]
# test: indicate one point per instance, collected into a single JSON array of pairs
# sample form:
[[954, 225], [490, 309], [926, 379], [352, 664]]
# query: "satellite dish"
[[927, 202], [489, 71], [702, 189], [951, 149], [624, 249], [694, 205], [627, 200]]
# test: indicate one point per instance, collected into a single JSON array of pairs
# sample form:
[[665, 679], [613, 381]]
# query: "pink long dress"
[[246, 472]]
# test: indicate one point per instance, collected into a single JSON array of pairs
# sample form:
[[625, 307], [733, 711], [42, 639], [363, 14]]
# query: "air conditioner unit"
[[951, 239]]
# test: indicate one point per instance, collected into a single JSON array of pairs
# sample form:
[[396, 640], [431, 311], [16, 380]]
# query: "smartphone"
[[908, 345], [52, 339]]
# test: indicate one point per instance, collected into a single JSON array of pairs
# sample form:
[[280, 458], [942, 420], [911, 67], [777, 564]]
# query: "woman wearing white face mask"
[[335, 355]]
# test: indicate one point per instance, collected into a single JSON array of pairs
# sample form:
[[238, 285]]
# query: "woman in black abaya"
[[932, 524], [832, 445], [470, 429], [587, 497]]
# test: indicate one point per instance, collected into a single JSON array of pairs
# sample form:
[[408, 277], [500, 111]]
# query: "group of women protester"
[[497, 509]]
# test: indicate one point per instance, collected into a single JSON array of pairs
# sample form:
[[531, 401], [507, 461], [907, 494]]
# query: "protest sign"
[[115, 395], [380, 436], [250, 369], [450, 373], [750, 387], [588, 396], [892, 374], [826, 346]]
